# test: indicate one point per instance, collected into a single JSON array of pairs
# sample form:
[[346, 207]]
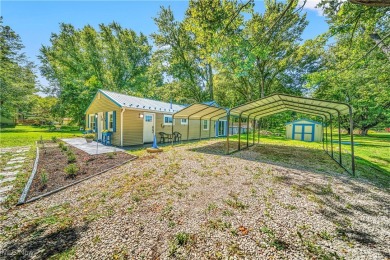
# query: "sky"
[[35, 21]]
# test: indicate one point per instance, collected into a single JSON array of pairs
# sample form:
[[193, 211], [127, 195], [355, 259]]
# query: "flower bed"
[[61, 165]]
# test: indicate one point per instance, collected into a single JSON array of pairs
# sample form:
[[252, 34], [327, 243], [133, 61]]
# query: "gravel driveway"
[[191, 201]]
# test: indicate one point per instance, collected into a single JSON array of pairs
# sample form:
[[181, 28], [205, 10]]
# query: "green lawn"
[[27, 135], [372, 153]]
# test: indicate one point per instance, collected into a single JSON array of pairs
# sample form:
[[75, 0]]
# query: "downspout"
[[123, 110]]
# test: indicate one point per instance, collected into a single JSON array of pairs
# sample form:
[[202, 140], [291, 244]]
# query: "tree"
[[79, 62], [17, 79]]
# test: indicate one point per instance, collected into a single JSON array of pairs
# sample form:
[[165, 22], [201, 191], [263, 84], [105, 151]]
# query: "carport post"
[[210, 129], [227, 135], [322, 127], [188, 128], [173, 123], [258, 133], [326, 131], [239, 133], [338, 113], [247, 132], [254, 131], [352, 144], [331, 137], [200, 128]]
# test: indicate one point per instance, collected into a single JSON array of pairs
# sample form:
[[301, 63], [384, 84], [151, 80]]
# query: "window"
[[110, 121], [184, 122], [148, 118], [92, 122], [205, 125], [167, 120]]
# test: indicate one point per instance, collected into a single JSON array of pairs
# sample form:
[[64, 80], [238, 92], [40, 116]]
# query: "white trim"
[[168, 117], [111, 113], [122, 112], [208, 127]]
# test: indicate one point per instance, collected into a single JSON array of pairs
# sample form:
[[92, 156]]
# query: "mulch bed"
[[53, 161]]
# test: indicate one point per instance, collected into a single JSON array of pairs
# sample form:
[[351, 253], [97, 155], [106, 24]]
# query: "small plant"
[[71, 157], [111, 155], [182, 238], [89, 136], [44, 178], [54, 139], [72, 170]]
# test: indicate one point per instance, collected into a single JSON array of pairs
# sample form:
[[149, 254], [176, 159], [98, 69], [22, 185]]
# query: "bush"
[[44, 177], [89, 136], [54, 139], [71, 157], [111, 155], [72, 170]]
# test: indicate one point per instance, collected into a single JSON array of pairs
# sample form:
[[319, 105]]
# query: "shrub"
[[71, 170], [44, 177], [89, 136], [54, 139], [71, 157], [111, 155]]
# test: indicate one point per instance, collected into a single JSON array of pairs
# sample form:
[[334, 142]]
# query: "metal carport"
[[277, 103], [200, 112]]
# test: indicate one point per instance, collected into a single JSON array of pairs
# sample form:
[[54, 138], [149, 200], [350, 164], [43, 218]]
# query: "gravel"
[[194, 202]]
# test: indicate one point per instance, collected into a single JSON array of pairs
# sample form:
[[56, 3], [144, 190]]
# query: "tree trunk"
[[363, 131], [211, 83], [377, 39], [262, 94]]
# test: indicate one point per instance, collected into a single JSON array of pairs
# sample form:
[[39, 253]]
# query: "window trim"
[[92, 121], [207, 123], [110, 114], [167, 116], [185, 123]]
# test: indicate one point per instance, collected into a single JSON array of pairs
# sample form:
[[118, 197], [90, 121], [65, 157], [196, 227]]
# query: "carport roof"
[[280, 102], [201, 111]]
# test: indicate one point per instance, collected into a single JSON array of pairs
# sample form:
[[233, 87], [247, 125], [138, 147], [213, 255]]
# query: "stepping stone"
[[18, 158], [7, 179], [15, 161], [14, 167], [6, 188], [2, 198], [9, 174]]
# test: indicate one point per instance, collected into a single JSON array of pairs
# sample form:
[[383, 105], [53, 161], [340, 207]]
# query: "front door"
[[222, 128], [100, 125], [149, 126]]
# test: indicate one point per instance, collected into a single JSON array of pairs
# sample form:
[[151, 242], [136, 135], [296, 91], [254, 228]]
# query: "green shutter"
[[106, 120], [114, 121]]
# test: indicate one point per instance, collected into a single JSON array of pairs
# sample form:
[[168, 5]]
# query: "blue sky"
[[34, 21]]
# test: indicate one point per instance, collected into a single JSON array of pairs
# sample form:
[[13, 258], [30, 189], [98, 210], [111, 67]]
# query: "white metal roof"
[[141, 103], [201, 111], [281, 102]]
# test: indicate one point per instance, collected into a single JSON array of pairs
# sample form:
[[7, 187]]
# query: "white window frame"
[[203, 126], [110, 115], [167, 116], [92, 121], [185, 122]]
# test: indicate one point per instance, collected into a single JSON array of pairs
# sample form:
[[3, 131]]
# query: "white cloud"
[[311, 5]]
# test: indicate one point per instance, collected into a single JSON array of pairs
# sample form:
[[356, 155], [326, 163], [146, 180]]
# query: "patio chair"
[[162, 137], [176, 137]]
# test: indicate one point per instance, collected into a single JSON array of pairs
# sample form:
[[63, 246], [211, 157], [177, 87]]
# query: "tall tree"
[[355, 68], [17, 79], [79, 62]]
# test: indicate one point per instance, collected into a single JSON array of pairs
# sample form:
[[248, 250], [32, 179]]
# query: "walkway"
[[14, 160], [91, 148]]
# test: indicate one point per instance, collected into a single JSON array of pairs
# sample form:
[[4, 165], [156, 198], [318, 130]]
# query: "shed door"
[[303, 132], [149, 126]]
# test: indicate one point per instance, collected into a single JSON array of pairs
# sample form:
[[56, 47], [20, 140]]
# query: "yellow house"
[[304, 130], [134, 121]]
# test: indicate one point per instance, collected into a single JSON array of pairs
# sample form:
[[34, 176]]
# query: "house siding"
[[102, 104]]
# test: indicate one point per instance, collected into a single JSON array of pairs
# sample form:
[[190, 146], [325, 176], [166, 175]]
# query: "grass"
[[27, 135], [372, 153]]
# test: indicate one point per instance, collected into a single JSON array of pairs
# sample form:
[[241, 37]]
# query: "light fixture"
[[141, 115]]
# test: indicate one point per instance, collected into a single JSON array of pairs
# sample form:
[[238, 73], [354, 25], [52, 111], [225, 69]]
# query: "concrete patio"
[[91, 148]]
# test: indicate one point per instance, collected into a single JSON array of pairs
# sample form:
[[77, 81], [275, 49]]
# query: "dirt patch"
[[53, 162]]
